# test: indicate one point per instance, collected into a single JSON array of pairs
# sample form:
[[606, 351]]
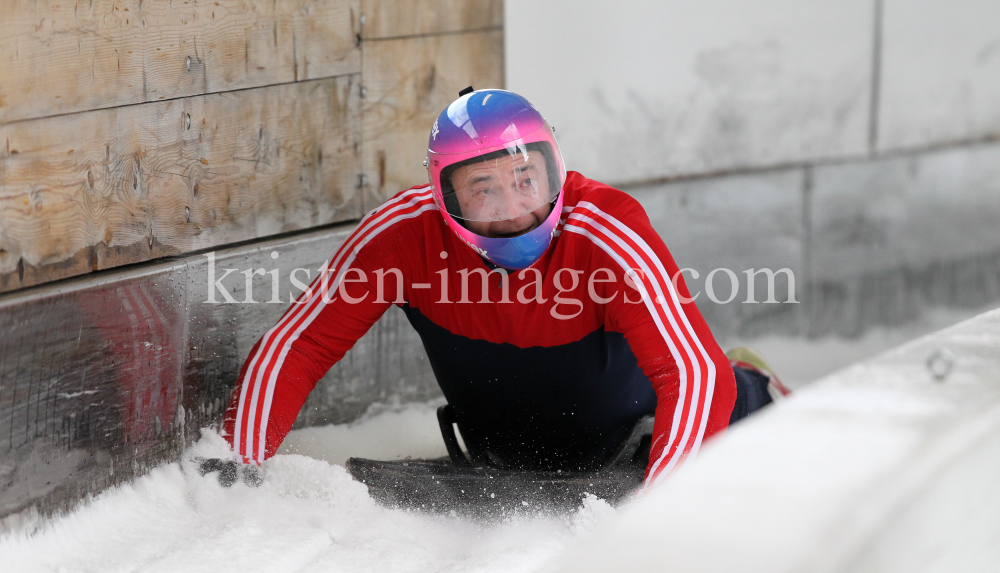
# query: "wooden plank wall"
[[136, 129], [417, 57]]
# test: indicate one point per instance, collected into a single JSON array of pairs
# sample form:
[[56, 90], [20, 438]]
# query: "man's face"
[[503, 197]]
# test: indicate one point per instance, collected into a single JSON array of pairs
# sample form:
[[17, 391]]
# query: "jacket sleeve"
[[313, 334], [694, 383]]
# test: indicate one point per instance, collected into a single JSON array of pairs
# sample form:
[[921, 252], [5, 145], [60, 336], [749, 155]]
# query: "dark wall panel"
[[102, 379], [90, 387]]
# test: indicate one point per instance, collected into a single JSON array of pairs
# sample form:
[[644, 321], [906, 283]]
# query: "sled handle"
[[628, 448], [446, 419]]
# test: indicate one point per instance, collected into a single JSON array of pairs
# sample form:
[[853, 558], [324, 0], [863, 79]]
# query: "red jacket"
[[576, 293]]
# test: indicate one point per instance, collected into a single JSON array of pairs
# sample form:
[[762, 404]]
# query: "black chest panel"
[[560, 407]]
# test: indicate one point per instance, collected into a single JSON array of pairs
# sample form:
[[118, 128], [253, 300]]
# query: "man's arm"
[[694, 383], [315, 332]]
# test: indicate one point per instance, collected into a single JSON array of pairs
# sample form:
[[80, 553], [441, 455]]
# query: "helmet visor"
[[508, 184]]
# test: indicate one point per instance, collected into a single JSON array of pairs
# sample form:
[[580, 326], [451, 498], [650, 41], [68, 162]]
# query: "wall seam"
[[807, 246], [186, 358], [498, 28], [165, 100], [876, 79], [901, 152], [59, 286], [364, 182]]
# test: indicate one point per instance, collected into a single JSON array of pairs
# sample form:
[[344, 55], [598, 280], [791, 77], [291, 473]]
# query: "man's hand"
[[230, 471]]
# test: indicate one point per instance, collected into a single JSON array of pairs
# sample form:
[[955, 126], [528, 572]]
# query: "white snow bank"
[[879, 467], [307, 516]]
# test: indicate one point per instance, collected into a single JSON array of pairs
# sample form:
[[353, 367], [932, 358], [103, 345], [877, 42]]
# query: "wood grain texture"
[[409, 81], [62, 56], [391, 19], [110, 187]]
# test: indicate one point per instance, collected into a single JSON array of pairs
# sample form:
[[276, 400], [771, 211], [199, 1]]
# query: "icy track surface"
[[309, 515]]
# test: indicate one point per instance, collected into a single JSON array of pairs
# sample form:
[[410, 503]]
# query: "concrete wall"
[[849, 141], [658, 89], [870, 242], [940, 73]]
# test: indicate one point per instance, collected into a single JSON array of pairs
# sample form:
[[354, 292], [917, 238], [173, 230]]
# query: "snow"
[[877, 467], [309, 515]]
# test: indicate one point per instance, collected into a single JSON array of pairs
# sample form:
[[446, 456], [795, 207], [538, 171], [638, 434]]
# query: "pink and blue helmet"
[[497, 176]]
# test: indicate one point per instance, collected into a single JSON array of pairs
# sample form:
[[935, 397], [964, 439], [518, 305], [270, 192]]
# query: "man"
[[552, 313]]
